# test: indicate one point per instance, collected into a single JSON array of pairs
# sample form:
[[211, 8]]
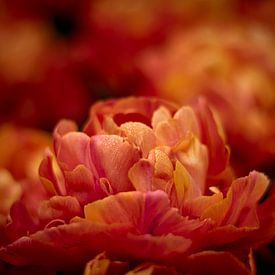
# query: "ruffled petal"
[[240, 202], [139, 109], [147, 213], [61, 208], [69, 247]]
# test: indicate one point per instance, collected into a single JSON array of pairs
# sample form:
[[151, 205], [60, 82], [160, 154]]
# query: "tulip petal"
[[161, 114], [210, 136], [51, 178], [151, 174], [81, 184], [59, 208], [65, 126], [73, 149], [141, 175], [69, 247], [113, 157], [194, 157], [240, 202], [141, 135], [147, 213], [143, 210], [65, 246]]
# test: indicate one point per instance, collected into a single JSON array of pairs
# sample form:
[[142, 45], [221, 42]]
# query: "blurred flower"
[[39, 42], [256, 10], [235, 71], [80, 51], [10, 191], [21, 150], [69, 61], [146, 182]]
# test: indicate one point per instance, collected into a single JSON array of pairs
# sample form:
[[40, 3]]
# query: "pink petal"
[[112, 158], [73, 149], [65, 126], [82, 184], [152, 174]]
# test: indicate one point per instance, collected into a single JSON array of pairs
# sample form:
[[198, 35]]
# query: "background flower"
[[236, 78]]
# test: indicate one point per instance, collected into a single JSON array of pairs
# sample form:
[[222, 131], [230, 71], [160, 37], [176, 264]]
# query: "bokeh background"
[[57, 57]]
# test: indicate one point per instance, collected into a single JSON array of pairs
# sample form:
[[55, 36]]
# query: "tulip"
[[148, 183]]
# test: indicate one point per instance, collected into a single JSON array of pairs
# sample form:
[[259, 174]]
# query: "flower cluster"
[[146, 186]]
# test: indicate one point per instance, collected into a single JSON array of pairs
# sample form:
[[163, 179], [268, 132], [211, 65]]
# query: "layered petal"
[[69, 247], [88, 168], [239, 206], [145, 212]]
